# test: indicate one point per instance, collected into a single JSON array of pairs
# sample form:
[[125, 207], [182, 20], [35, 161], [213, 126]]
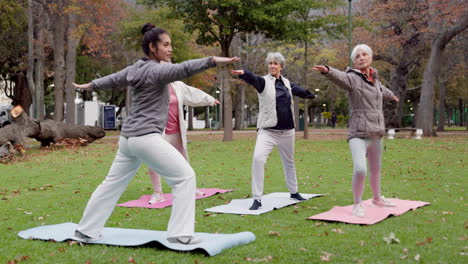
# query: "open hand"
[[225, 60], [86, 86], [320, 68], [237, 72]]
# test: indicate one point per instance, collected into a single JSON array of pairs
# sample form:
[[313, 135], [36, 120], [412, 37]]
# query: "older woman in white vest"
[[366, 122], [275, 123], [176, 130]]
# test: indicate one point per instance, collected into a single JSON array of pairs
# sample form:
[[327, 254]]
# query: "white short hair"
[[276, 56], [363, 47]]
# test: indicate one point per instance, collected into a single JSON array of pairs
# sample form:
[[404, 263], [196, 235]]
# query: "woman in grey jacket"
[[275, 124], [141, 140], [366, 122]]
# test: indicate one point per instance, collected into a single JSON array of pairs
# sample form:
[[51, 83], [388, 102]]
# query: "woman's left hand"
[[394, 98], [216, 102]]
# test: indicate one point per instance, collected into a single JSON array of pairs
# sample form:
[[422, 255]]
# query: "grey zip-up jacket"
[[150, 96], [365, 101]]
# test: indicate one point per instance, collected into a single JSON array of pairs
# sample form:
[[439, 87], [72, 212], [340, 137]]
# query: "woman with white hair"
[[275, 123], [366, 122]]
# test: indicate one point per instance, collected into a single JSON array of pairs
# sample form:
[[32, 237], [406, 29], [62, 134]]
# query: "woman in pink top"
[[176, 130]]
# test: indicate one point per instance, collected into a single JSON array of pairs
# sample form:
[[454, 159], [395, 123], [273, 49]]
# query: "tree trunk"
[[399, 79], [296, 111], [30, 70], [22, 95], [442, 84], [59, 61], [425, 117], [39, 74], [240, 102], [190, 118], [306, 111], [227, 113], [72, 43]]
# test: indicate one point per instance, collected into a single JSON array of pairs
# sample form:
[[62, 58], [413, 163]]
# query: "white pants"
[[160, 156], [370, 148], [176, 141], [267, 139]]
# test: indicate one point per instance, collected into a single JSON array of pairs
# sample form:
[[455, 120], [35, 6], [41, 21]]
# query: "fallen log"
[[46, 132]]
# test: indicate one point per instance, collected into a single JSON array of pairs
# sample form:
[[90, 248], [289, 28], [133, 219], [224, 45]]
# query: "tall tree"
[[307, 22], [218, 21], [396, 33], [448, 18], [59, 59]]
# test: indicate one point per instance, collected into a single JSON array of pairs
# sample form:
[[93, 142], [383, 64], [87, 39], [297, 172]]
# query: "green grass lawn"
[[51, 187]]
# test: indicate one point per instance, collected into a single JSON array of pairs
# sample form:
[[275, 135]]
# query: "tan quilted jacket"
[[365, 101]]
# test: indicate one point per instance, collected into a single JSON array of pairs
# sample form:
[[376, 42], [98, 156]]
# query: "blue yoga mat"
[[212, 244]]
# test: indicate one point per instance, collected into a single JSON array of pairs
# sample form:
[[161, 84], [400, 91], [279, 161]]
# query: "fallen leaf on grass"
[[302, 249], [416, 257], [326, 256], [391, 239], [274, 233], [338, 230], [265, 259], [131, 260], [427, 241]]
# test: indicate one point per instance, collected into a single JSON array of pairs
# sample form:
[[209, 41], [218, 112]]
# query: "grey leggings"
[[370, 148]]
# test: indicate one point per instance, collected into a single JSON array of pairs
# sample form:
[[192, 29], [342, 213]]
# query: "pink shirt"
[[172, 126]]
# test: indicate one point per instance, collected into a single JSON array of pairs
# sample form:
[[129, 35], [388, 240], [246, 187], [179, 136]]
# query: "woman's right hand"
[[237, 72], [320, 68], [225, 60], [86, 86]]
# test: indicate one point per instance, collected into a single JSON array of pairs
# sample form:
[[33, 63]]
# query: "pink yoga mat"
[[374, 214], [143, 201]]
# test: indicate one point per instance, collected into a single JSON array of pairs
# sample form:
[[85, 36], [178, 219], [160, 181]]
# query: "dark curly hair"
[[151, 34]]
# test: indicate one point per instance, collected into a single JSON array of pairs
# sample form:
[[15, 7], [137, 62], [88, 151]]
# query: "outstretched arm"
[[256, 81], [168, 73], [340, 78], [388, 94], [301, 92], [194, 97]]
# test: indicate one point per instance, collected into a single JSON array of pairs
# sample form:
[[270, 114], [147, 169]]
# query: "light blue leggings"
[[370, 148]]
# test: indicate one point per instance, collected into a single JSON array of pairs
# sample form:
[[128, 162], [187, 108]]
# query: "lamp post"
[[350, 32]]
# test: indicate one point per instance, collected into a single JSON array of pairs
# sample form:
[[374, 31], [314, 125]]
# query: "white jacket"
[[267, 116], [191, 96]]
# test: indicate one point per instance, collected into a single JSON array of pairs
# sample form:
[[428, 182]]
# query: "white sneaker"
[[80, 237], [199, 193], [359, 210], [381, 202], [186, 240], [156, 198]]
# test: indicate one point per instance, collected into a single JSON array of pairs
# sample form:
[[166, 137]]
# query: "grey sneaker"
[[186, 240], [84, 238]]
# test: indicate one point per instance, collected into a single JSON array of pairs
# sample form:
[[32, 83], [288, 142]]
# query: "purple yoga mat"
[[374, 214], [143, 201]]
